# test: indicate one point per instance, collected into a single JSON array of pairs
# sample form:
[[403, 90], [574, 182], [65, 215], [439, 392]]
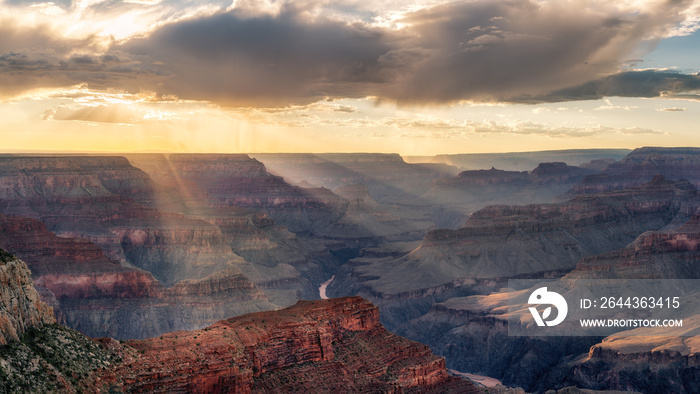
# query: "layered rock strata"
[[502, 242], [641, 166], [471, 190], [644, 359], [100, 297], [328, 345]]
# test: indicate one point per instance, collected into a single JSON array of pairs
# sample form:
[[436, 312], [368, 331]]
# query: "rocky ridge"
[[524, 161], [472, 190]]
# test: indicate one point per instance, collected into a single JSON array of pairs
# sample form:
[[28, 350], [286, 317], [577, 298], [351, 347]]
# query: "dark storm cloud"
[[494, 51], [647, 83], [265, 60]]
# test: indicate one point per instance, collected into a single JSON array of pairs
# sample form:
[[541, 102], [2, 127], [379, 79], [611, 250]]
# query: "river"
[[324, 285]]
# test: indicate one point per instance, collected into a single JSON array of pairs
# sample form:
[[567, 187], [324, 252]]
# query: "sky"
[[419, 77]]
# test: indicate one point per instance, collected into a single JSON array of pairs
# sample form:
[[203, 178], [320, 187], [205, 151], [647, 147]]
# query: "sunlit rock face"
[[294, 237], [238, 180], [327, 345], [108, 248], [21, 307], [330, 345], [268, 222]]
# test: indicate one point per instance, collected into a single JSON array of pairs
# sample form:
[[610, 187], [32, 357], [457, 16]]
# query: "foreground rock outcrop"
[[326, 345], [21, 307]]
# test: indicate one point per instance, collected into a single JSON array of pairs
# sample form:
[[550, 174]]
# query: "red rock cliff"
[[326, 345]]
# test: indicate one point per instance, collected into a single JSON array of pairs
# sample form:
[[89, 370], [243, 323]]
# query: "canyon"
[[498, 243], [166, 250]]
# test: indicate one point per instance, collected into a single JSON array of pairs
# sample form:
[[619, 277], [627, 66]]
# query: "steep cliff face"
[[473, 336], [330, 345], [286, 232], [648, 364], [326, 345], [21, 307], [36, 355], [666, 254], [238, 196]]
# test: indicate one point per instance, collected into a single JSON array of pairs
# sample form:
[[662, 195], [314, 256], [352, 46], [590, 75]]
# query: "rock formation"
[[474, 189], [646, 360], [524, 161], [100, 297], [327, 345], [21, 307], [238, 180], [641, 166], [388, 177]]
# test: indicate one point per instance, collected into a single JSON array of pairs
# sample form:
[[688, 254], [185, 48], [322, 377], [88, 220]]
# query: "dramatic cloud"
[[267, 54], [475, 50], [264, 61]]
